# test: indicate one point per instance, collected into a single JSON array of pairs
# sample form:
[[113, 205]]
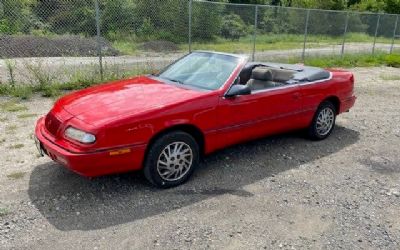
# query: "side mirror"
[[238, 89]]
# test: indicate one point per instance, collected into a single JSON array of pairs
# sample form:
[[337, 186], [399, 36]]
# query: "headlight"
[[79, 135]]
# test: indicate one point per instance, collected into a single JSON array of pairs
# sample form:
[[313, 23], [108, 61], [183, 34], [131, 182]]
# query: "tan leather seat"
[[261, 78], [282, 75]]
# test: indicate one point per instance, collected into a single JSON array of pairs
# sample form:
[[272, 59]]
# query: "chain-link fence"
[[67, 40]]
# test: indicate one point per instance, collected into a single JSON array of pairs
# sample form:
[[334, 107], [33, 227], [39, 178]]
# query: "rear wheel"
[[323, 122], [171, 159]]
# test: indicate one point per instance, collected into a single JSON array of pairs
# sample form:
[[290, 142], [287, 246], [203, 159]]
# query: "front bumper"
[[89, 164]]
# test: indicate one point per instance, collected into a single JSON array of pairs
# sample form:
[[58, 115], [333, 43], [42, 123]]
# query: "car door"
[[261, 113]]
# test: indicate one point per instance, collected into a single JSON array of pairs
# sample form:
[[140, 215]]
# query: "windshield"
[[202, 69]]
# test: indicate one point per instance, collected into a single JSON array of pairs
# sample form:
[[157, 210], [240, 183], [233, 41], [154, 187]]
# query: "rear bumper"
[[347, 104], [90, 164]]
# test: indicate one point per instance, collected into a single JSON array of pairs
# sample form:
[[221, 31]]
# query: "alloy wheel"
[[174, 161], [325, 121]]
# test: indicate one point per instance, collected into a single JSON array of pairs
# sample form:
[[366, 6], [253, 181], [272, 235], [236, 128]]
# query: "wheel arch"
[[335, 101], [188, 128]]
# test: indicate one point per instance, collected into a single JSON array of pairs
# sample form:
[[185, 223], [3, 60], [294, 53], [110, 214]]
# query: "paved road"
[[64, 68]]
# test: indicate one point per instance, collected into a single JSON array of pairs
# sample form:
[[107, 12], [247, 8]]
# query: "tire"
[[321, 128], [162, 160]]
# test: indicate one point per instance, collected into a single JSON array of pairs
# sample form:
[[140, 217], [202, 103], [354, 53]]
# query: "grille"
[[52, 124]]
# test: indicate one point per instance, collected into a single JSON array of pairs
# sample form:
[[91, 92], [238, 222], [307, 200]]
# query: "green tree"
[[233, 27], [392, 6], [370, 5], [118, 18], [169, 18], [16, 16], [207, 20], [67, 16]]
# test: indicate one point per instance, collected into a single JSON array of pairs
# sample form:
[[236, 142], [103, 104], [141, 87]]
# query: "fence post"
[[344, 34], [255, 33], [305, 36], [190, 24], [394, 33], [99, 51], [376, 33]]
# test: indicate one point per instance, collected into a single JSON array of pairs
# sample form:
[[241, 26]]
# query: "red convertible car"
[[203, 102]]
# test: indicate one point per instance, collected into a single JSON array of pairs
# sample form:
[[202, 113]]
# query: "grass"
[[11, 127], [12, 106], [16, 175], [24, 116], [16, 146], [351, 61], [4, 211], [264, 42], [51, 87], [126, 47], [390, 77]]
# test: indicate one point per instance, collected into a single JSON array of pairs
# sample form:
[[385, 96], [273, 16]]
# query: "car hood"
[[111, 101]]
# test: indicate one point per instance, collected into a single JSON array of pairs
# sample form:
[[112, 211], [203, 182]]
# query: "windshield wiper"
[[174, 80]]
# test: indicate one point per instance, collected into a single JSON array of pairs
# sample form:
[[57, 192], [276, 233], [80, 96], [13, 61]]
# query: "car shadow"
[[72, 202]]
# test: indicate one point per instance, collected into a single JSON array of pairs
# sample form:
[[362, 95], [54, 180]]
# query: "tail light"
[[52, 124]]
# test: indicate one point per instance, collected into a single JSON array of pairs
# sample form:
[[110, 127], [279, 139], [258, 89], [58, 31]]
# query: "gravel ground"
[[280, 192]]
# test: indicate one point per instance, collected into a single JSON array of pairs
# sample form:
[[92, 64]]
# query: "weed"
[[16, 146], [10, 65], [16, 175], [4, 211], [50, 91], [11, 127], [351, 61], [39, 75], [23, 116], [22, 92], [127, 47], [390, 77], [393, 60], [12, 106]]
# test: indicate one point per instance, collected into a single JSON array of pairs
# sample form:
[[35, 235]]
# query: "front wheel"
[[323, 122], [171, 159]]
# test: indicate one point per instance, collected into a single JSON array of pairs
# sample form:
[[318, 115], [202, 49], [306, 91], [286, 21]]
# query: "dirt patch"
[[159, 46], [33, 46]]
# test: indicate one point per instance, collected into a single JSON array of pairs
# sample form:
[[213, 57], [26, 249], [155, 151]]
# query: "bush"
[[233, 27], [207, 20], [146, 30], [393, 60]]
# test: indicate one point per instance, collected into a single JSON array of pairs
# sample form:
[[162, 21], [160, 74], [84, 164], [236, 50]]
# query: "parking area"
[[278, 192]]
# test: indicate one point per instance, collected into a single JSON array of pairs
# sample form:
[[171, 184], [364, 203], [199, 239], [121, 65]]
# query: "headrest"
[[261, 74], [283, 75]]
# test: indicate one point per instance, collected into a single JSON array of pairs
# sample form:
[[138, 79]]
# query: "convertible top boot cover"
[[288, 73]]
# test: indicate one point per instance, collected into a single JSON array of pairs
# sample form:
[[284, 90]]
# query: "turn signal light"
[[120, 151]]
